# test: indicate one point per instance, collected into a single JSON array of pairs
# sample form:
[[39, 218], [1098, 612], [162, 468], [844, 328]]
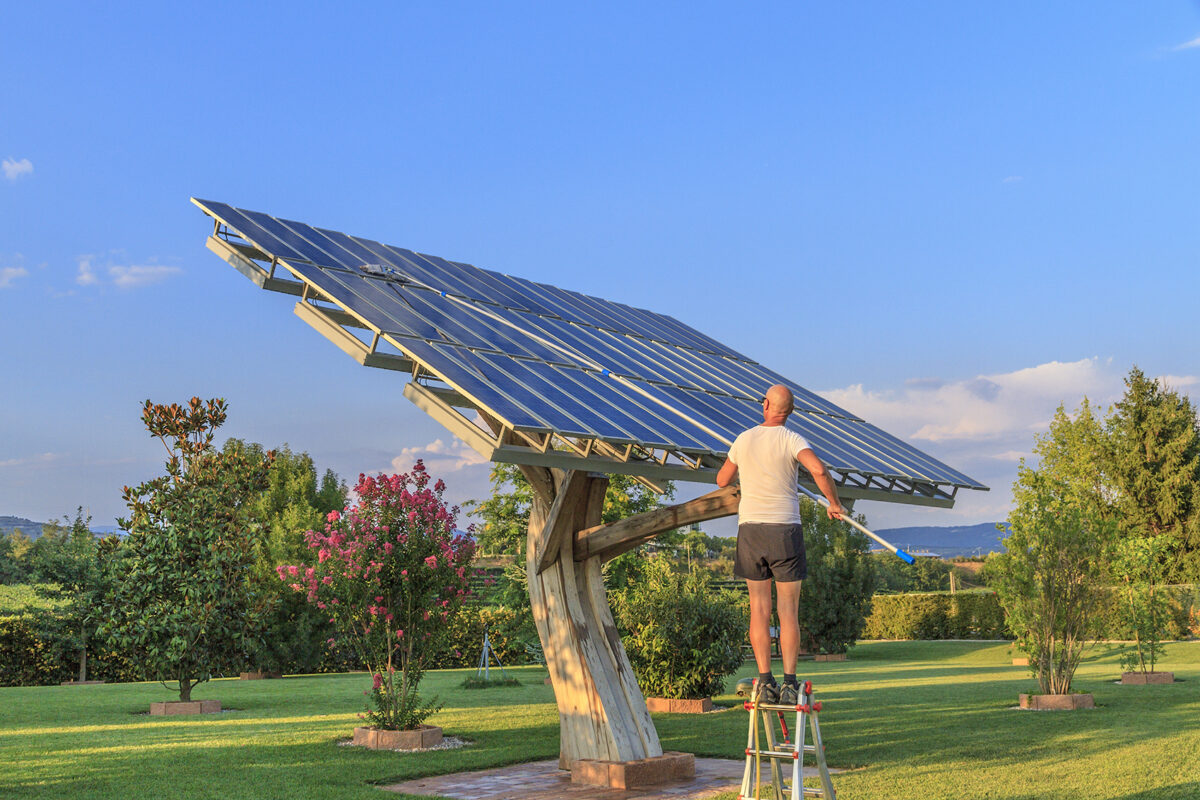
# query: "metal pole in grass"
[[903, 556], [485, 658]]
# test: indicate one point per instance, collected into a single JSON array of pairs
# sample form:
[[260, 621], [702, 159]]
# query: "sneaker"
[[789, 695], [768, 693]]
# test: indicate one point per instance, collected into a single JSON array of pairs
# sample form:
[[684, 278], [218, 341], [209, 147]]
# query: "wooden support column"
[[602, 713]]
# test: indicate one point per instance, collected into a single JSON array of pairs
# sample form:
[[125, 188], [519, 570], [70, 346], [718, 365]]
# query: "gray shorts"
[[770, 550]]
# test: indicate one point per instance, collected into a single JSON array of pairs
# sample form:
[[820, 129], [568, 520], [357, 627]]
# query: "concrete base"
[[173, 707], [664, 705], [1057, 702], [829, 657], [375, 739], [1143, 678], [1021, 662], [632, 774], [81, 683]]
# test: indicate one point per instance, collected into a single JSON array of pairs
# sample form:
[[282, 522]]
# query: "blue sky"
[[948, 217]]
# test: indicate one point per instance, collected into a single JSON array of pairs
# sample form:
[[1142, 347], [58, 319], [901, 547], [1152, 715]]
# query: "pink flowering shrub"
[[391, 572]]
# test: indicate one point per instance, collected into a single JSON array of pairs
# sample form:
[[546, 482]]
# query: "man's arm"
[[728, 471], [809, 460]]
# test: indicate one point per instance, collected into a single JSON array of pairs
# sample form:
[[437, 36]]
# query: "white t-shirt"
[[766, 462]]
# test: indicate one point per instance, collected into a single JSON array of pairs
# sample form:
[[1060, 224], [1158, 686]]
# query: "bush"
[[683, 638], [391, 572], [938, 615]]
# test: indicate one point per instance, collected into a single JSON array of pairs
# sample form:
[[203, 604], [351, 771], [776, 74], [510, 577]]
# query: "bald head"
[[779, 404]]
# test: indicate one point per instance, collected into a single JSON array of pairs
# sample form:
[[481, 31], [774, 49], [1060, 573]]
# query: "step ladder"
[[765, 745]]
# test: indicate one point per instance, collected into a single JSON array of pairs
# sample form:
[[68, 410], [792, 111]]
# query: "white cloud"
[[1179, 382], [439, 457], [10, 274], [15, 169], [86, 275], [1188, 45], [143, 275], [985, 407], [983, 426]]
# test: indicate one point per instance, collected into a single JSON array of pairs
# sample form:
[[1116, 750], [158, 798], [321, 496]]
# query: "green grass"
[[910, 720]]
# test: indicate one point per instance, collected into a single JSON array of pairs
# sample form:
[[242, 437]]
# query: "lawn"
[[908, 719]]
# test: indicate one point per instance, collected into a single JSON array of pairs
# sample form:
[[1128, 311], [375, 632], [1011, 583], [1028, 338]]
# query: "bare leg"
[[760, 622], [788, 603]]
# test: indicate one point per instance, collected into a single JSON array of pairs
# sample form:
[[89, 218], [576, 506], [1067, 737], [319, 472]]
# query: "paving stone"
[[543, 780]]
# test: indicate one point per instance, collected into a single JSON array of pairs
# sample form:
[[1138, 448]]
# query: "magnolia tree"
[[179, 601], [390, 571]]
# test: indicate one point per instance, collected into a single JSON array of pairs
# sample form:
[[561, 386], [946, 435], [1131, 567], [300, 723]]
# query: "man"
[[770, 544]]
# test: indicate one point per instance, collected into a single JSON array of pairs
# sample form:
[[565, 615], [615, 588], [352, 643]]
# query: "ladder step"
[[774, 707], [786, 754], [787, 750], [811, 792]]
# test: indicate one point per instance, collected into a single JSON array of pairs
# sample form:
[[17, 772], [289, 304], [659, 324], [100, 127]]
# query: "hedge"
[[977, 614], [509, 630], [936, 615], [26, 660]]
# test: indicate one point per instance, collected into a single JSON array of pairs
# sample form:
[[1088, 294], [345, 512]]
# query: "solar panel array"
[[549, 362]]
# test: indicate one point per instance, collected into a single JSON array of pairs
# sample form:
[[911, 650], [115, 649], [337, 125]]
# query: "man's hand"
[[835, 511]]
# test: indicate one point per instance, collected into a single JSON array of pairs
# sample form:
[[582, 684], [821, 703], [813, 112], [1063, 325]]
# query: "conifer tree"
[[1153, 464]]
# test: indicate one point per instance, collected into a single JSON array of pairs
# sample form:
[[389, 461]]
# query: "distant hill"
[[28, 527], [34, 529], [947, 541]]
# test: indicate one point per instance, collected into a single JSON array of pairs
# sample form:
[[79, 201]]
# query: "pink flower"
[[430, 561], [378, 682], [293, 570]]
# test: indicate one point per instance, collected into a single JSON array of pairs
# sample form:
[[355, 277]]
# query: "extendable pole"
[[905, 557]]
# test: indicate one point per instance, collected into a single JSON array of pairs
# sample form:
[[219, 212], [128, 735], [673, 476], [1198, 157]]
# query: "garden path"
[[543, 780]]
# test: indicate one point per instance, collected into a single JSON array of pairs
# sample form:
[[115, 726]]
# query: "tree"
[[1141, 606], [181, 598], [1050, 579], [291, 634], [1153, 465], [391, 573], [836, 596], [13, 566], [69, 571]]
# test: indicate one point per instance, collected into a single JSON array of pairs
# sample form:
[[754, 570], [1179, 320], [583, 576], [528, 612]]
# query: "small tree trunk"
[[83, 658], [185, 690]]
